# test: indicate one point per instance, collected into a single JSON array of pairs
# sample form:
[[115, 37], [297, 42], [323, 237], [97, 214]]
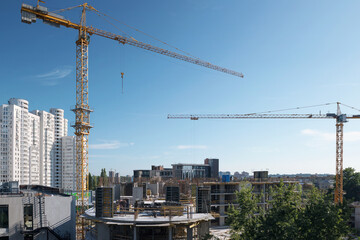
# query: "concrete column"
[[135, 235], [221, 221], [104, 230], [170, 233], [189, 233], [222, 194]]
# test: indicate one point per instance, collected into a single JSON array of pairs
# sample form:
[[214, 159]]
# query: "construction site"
[[187, 200]]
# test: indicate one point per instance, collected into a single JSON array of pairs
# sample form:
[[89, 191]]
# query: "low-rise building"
[[36, 212], [191, 171]]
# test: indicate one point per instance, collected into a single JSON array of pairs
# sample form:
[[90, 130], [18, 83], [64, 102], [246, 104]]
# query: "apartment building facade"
[[31, 144], [19, 143], [60, 130], [68, 163]]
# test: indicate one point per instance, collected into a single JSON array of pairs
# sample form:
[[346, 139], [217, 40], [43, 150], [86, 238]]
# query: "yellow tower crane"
[[29, 14], [339, 117]]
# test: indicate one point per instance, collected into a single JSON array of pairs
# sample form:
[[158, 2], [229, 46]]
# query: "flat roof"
[[189, 164], [274, 182], [221, 183], [146, 219]]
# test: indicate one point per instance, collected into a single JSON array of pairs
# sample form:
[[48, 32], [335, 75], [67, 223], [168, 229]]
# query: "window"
[[28, 237], [4, 216], [28, 216]]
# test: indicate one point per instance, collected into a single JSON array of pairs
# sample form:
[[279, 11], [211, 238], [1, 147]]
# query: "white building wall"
[[4, 144], [30, 144], [34, 149], [47, 148], [19, 130], [60, 128], [68, 163]]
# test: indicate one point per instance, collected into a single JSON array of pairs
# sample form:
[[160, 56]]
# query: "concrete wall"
[[117, 191], [61, 214], [357, 216], [154, 187], [16, 217], [138, 193], [103, 231], [58, 211]]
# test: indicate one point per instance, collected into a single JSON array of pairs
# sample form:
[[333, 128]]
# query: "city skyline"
[[292, 55]]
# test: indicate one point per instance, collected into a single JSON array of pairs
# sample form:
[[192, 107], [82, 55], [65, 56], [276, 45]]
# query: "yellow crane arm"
[[29, 15], [340, 117]]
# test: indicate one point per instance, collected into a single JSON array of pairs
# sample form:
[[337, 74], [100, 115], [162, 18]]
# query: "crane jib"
[[30, 13]]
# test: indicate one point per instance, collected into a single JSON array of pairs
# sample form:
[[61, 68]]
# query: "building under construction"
[[145, 220]]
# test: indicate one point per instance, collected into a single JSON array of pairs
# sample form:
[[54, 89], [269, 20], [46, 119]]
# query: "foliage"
[[209, 237], [243, 219], [103, 173], [103, 178], [321, 218], [93, 181], [351, 184], [280, 220], [289, 216]]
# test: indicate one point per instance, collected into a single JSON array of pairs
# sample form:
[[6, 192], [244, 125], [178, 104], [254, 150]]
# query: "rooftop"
[[147, 218]]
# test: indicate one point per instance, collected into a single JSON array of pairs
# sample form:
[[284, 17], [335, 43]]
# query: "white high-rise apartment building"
[[60, 131], [19, 141], [68, 163], [47, 151], [30, 144]]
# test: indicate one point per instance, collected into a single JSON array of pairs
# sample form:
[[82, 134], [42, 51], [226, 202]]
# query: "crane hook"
[[122, 82]]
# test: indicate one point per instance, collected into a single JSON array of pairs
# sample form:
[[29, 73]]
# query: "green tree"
[[280, 220], [351, 184], [103, 173], [245, 218], [289, 216], [321, 218], [103, 177], [91, 182]]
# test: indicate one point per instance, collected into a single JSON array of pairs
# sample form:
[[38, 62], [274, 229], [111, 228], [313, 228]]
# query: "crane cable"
[[146, 34], [138, 30], [66, 9], [296, 108], [97, 13], [350, 107]]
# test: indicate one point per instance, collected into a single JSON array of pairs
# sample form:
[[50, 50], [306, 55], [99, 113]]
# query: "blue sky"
[[292, 53]]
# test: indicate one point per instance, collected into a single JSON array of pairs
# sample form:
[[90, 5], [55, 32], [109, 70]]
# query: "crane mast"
[[339, 117], [82, 117]]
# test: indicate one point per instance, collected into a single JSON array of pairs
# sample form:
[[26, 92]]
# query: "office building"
[[214, 166], [191, 171], [141, 175]]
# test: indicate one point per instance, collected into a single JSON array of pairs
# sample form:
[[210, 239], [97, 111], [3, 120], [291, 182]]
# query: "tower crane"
[[339, 117], [82, 110]]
